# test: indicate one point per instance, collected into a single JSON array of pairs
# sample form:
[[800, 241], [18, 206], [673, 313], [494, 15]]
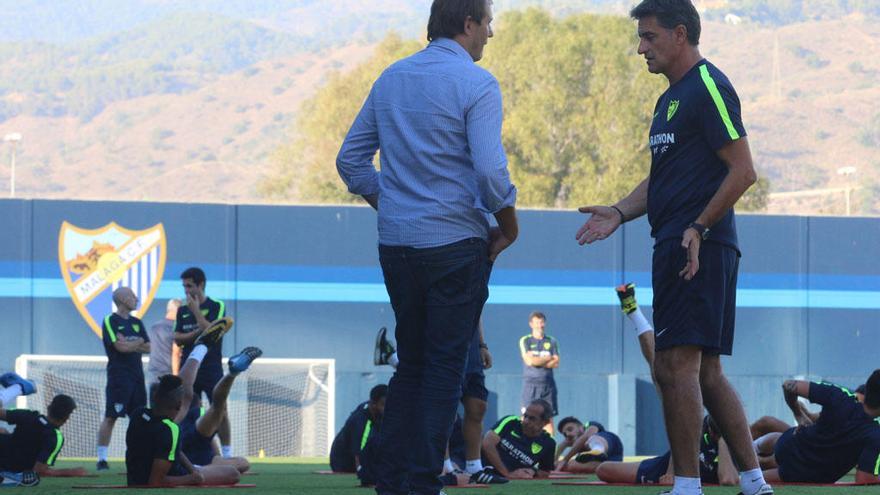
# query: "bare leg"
[[472, 426], [220, 475], [213, 418], [105, 431], [225, 430], [618, 472], [772, 475], [646, 343], [767, 424], [240, 463], [766, 446], [584, 467], [724, 405], [677, 372]]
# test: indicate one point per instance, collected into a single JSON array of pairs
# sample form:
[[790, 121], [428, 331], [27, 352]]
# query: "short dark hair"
[[537, 314], [566, 420], [861, 389], [195, 274], [166, 391], [546, 408], [710, 425], [61, 406], [872, 390], [671, 14], [378, 392], [448, 16]]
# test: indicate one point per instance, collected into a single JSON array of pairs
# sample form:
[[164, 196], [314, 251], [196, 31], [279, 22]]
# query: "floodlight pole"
[[14, 138]]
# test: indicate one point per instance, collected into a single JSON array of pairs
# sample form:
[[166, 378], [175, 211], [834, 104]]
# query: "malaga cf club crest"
[[96, 262]]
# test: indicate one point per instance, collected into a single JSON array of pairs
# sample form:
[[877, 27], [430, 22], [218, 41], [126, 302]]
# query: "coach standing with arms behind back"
[[436, 118], [701, 165]]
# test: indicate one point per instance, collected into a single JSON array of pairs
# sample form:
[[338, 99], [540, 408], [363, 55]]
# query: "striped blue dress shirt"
[[436, 119]]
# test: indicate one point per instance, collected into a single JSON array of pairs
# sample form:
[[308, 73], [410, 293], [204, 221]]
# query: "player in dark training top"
[[846, 435], [701, 165], [192, 319], [591, 445], [520, 448], [125, 339], [362, 424]]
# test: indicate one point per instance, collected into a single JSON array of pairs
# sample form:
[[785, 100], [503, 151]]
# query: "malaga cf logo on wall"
[[96, 262]]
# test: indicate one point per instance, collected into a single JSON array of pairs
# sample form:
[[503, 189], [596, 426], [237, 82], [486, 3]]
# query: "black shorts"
[[474, 386], [539, 390], [123, 395], [197, 447], [789, 461], [650, 470], [699, 312], [206, 380]]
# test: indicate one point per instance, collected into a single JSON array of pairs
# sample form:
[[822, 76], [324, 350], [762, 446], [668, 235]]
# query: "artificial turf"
[[296, 476]]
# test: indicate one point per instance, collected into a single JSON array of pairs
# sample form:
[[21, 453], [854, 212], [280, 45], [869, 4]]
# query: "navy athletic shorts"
[[197, 447], [650, 470], [123, 395], [474, 386], [791, 469], [206, 380], [539, 390], [699, 312]]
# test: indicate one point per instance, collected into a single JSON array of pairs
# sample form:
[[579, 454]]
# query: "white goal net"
[[279, 407]]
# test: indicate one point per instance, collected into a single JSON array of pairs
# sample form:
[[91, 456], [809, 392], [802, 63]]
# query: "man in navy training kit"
[[520, 448], [701, 165], [540, 355], [125, 339], [192, 319], [436, 118], [846, 435], [362, 424]]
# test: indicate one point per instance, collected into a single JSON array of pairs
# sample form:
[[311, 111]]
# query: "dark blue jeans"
[[437, 295]]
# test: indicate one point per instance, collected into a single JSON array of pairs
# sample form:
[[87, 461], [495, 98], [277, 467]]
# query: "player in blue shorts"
[[846, 435], [125, 339], [701, 165], [474, 399], [199, 312], [197, 425], [591, 445], [519, 447]]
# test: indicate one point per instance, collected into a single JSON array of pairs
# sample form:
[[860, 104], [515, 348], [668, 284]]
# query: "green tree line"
[[578, 104]]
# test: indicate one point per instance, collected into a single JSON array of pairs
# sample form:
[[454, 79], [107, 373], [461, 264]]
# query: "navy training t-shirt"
[[117, 328], [353, 436], [693, 119], [542, 348], [34, 440], [843, 437], [186, 322]]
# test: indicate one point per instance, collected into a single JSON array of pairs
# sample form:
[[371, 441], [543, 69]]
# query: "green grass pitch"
[[295, 476]]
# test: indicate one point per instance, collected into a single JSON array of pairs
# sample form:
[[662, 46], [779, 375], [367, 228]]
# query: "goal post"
[[278, 408]]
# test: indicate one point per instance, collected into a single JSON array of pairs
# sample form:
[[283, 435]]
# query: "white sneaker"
[[764, 490]]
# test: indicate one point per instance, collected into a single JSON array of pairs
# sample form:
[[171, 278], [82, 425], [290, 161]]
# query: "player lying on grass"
[[716, 465], [846, 435], [362, 425], [37, 440], [198, 426], [590, 444], [521, 448]]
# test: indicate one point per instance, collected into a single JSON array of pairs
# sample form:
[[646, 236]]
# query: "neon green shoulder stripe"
[[877, 467], [719, 102], [522, 344], [366, 434], [109, 328], [175, 435], [59, 442], [222, 312], [504, 423]]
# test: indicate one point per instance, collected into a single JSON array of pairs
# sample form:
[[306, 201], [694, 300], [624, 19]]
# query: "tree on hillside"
[[578, 103]]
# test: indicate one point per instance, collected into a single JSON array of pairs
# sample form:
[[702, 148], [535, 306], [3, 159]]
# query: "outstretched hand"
[[603, 221]]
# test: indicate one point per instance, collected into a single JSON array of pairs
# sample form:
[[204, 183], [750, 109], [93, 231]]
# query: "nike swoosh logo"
[[661, 332]]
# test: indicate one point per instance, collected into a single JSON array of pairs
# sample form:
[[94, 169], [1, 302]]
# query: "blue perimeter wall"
[[304, 282]]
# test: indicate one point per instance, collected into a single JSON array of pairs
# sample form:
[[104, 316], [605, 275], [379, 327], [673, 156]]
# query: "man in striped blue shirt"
[[436, 118], [701, 165]]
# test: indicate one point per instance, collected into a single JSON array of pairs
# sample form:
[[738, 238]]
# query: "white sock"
[[756, 446], [7, 395], [448, 467], [102, 452], [687, 486], [596, 444], [751, 481], [198, 352], [642, 324], [393, 361], [226, 451], [474, 466]]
